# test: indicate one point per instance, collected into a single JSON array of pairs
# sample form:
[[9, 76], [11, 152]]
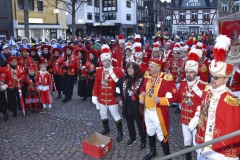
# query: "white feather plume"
[[223, 42]]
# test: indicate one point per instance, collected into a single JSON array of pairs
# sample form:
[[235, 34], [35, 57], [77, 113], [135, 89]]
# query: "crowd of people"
[[146, 81]]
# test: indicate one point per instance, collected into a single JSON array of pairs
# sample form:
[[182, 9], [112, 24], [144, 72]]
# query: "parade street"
[[58, 135]]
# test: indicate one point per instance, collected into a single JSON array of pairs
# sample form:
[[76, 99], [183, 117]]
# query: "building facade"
[[6, 27], [45, 21], [106, 17], [193, 16], [228, 7]]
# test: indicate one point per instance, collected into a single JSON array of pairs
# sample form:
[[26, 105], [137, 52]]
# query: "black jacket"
[[121, 96]]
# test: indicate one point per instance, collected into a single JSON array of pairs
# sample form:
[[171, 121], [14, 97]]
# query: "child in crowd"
[[44, 86]]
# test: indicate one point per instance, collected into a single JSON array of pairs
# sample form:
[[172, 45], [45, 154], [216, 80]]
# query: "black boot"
[[5, 116], [166, 149], [65, 99], [84, 98], [14, 113], [188, 155], [59, 95], [119, 129], [152, 145], [105, 127]]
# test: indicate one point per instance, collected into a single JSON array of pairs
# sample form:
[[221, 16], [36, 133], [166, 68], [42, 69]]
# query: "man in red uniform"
[[190, 91], [218, 113], [24, 60], [14, 76], [139, 60], [204, 63], [157, 92], [103, 92], [44, 86]]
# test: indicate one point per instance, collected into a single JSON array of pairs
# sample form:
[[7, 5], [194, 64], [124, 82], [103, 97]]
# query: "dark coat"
[[121, 85]]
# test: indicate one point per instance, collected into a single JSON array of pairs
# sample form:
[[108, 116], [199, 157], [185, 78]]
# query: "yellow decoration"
[[164, 101], [207, 87], [233, 101], [168, 77]]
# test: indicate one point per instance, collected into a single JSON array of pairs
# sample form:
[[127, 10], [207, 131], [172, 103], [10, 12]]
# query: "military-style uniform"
[[156, 116], [234, 84], [204, 70], [172, 67], [15, 77], [25, 62], [44, 83]]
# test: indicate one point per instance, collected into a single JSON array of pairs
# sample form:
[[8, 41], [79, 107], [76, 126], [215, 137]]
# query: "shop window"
[[128, 4], [89, 16], [20, 4], [40, 5], [31, 5], [109, 5], [128, 17]]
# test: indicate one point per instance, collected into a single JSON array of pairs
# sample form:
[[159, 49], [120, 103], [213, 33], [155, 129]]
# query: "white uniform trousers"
[[179, 104], [113, 110], [152, 124], [209, 154], [188, 136]]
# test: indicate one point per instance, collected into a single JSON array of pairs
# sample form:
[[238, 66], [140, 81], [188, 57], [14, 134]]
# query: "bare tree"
[[26, 20], [71, 6]]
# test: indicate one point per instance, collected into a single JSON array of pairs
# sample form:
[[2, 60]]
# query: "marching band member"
[[156, 93], [103, 92], [218, 113], [70, 68], [3, 87], [36, 58], [25, 43], [128, 55], [139, 60], [54, 44], [190, 91], [46, 56], [15, 77], [25, 60], [44, 86]]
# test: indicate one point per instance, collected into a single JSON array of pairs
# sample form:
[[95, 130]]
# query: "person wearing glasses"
[[218, 113], [190, 91]]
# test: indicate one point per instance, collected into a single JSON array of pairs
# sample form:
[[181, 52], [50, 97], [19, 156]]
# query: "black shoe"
[[152, 144], [106, 129], [188, 156], [130, 142], [84, 98], [14, 113], [142, 146], [119, 129], [178, 110], [59, 95], [166, 149], [5, 116], [65, 99], [173, 105]]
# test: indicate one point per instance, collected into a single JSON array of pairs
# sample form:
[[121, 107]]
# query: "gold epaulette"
[[146, 74], [232, 100], [168, 77], [98, 67], [207, 87]]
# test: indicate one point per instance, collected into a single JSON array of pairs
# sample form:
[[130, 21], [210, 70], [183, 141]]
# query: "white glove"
[[193, 123], [95, 101], [3, 87]]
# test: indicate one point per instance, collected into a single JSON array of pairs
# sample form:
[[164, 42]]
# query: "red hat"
[[137, 38], [24, 49], [80, 50], [220, 50], [12, 58], [68, 47], [177, 47], [138, 52], [93, 52], [128, 46], [193, 59], [57, 49], [33, 49], [31, 68], [46, 46], [156, 46], [155, 62], [121, 39], [105, 53]]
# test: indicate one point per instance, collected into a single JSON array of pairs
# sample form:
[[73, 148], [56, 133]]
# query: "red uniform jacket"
[[190, 98], [227, 120], [57, 66], [143, 67], [44, 80], [182, 74], [26, 62], [235, 83], [10, 75], [81, 72], [105, 93], [204, 70], [172, 67], [72, 64]]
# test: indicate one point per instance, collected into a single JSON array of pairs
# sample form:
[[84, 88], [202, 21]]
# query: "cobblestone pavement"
[[58, 135]]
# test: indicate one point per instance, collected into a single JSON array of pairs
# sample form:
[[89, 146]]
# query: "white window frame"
[[224, 6]]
